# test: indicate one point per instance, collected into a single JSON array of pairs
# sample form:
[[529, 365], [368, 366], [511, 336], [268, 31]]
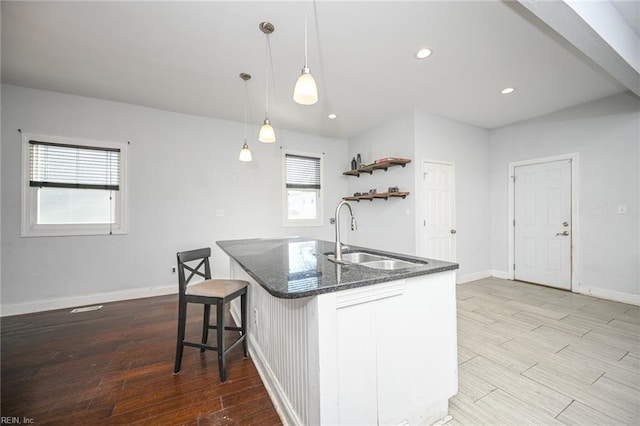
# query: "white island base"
[[379, 354]]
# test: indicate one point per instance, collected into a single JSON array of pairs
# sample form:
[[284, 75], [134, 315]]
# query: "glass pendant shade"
[[306, 90], [267, 134], [245, 153]]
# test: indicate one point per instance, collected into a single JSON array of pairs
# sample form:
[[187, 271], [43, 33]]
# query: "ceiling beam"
[[599, 31]]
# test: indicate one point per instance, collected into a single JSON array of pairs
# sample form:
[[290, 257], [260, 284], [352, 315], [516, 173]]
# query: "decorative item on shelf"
[[267, 134], [354, 164], [386, 160], [306, 90], [245, 153], [373, 194], [358, 161], [380, 164], [377, 196]]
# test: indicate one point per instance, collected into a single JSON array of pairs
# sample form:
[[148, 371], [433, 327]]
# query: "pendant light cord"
[[305, 40], [266, 78], [245, 111]]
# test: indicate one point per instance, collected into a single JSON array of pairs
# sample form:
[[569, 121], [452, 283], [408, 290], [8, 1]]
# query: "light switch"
[[622, 209], [219, 212]]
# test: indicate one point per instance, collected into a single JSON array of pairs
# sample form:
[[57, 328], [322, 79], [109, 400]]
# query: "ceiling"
[[186, 57], [630, 12]]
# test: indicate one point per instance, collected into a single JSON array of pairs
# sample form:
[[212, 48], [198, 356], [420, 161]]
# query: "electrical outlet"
[[173, 269], [255, 317]]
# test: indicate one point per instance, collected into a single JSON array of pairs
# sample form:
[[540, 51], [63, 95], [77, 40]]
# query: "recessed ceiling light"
[[332, 116], [507, 90], [423, 53]]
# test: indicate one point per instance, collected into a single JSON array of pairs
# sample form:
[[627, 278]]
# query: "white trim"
[[601, 293], [575, 234], [366, 294], [422, 213], [29, 227], [604, 293], [500, 274], [461, 279], [277, 395], [319, 221], [10, 309]]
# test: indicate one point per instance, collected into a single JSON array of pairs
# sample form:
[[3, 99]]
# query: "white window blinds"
[[302, 172], [56, 165]]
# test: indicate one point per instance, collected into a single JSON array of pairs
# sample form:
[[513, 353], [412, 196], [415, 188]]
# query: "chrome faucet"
[[337, 256]]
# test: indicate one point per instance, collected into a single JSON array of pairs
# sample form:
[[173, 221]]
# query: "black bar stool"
[[217, 292]]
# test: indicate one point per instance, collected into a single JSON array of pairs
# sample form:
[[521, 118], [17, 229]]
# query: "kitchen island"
[[346, 343]]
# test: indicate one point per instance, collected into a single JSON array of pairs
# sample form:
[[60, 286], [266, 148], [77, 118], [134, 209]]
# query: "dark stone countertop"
[[298, 267]]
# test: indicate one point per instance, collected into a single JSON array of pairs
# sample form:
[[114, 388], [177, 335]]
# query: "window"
[[72, 186], [303, 189]]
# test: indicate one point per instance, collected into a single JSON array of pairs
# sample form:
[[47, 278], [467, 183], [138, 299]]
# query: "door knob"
[[561, 234], [453, 231]]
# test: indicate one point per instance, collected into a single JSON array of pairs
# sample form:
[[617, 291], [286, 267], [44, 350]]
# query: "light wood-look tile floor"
[[530, 354]]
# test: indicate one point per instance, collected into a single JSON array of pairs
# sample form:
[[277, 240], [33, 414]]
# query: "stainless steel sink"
[[374, 261], [358, 257], [390, 264]]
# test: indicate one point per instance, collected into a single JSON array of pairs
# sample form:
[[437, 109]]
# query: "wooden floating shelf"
[[382, 195], [377, 166]]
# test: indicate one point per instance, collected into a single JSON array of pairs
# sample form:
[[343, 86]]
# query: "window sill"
[[70, 231]]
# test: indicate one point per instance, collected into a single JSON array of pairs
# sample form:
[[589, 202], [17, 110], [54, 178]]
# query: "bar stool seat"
[[216, 292], [215, 288]]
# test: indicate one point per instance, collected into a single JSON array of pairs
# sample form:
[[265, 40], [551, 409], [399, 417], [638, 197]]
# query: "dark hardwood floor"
[[115, 365]]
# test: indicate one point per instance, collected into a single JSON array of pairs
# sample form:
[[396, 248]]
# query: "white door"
[[542, 225], [439, 209]]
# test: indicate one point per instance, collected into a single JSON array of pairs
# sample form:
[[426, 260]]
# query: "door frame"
[[573, 158], [421, 201]]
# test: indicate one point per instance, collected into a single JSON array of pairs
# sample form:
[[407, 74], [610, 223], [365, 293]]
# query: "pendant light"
[[306, 90], [245, 153], [267, 134]]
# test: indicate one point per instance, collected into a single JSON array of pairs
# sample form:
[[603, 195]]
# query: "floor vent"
[[86, 309]]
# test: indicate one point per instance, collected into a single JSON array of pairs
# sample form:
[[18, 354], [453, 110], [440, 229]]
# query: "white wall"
[[466, 146], [384, 224], [606, 136], [182, 169], [396, 224]]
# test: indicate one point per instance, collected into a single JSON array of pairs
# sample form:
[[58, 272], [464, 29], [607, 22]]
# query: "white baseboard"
[[500, 274], [276, 393], [601, 293], [461, 279], [10, 309], [616, 296]]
